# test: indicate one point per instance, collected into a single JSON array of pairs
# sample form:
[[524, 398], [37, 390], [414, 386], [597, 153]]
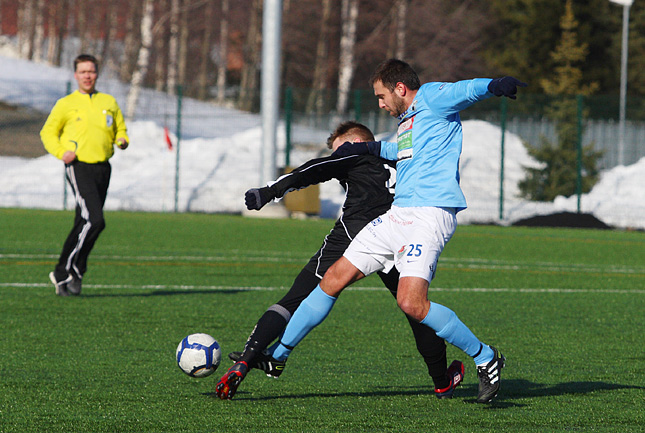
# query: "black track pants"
[[89, 183]]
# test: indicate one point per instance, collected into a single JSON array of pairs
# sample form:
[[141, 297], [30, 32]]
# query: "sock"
[[268, 328], [448, 326], [311, 312]]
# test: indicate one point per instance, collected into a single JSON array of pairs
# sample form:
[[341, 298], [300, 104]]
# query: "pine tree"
[[558, 174]]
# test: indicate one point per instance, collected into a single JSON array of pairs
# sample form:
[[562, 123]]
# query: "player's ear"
[[357, 140]]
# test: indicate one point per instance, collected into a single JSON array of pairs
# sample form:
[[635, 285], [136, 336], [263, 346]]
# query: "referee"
[[81, 130]]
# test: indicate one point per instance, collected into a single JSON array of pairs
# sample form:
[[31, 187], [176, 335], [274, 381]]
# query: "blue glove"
[[505, 86], [360, 148], [256, 198]]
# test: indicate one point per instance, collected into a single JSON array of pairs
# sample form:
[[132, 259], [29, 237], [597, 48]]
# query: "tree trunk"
[[39, 32], [349, 16], [131, 41], [173, 45], [202, 91], [142, 60], [402, 10], [249, 80], [223, 56], [183, 45], [315, 100], [109, 35], [26, 28], [160, 48], [82, 26]]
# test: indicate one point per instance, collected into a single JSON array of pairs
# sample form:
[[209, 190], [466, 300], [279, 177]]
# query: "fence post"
[[357, 105], [501, 163], [579, 151], [288, 111], [179, 98]]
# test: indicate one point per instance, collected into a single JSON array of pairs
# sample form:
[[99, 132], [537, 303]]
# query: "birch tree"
[[202, 91], [160, 37], [251, 52], [316, 96], [173, 44], [26, 28], [401, 14], [109, 35], [39, 31], [182, 57], [349, 17], [130, 41], [223, 53], [57, 29], [142, 60]]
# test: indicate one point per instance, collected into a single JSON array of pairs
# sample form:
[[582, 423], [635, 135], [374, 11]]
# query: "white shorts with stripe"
[[410, 238]]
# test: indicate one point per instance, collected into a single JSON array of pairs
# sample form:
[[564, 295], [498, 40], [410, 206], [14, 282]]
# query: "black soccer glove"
[[256, 198], [360, 148], [505, 86]]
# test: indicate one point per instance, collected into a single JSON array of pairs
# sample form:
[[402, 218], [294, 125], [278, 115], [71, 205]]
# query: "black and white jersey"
[[368, 182]]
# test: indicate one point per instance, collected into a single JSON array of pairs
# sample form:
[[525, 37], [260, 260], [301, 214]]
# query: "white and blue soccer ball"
[[198, 355]]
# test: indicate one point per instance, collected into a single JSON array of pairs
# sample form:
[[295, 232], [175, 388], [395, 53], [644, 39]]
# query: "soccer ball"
[[198, 355]]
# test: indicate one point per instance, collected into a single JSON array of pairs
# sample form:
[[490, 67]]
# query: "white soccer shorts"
[[410, 238]]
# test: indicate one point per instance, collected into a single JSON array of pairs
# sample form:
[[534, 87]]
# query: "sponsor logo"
[[376, 221], [399, 222], [401, 252]]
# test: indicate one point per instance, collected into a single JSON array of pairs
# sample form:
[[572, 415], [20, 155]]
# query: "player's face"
[[388, 100], [86, 76]]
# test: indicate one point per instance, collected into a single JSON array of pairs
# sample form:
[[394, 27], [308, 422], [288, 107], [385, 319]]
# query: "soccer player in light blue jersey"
[[422, 219]]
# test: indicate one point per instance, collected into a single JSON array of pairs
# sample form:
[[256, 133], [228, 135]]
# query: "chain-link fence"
[[307, 119]]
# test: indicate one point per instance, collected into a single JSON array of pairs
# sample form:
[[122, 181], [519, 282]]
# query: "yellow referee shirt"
[[86, 124]]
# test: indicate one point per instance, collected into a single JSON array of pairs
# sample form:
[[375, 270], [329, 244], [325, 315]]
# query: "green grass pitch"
[[565, 306]]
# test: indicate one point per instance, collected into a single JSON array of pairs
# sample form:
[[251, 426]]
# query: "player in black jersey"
[[369, 185]]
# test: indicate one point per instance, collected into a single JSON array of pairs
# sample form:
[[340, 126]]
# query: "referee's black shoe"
[[490, 377], [60, 285], [74, 286]]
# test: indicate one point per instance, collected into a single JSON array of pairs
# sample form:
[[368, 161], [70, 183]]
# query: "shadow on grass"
[[154, 292], [511, 390]]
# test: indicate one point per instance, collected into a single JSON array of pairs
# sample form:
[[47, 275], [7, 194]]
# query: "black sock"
[[267, 330]]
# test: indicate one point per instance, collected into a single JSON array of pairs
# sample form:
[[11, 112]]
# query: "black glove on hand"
[[505, 86], [256, 198], [360, 148]]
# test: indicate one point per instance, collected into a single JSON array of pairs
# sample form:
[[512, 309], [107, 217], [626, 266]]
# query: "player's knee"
[[412, 308], [98, 224]]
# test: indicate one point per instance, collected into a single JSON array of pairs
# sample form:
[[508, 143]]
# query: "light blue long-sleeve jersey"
[[428, 144]]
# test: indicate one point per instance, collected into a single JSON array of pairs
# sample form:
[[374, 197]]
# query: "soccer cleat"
[[74, 286], [61, 286], [263, 361], [490, 377], [227, 385], [456, 374]]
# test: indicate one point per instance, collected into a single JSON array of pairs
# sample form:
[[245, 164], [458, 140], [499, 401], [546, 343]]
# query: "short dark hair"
[[350, 128], [394, 71], [82, 58]]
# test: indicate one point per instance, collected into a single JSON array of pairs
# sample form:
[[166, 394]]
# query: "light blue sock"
[[311, 312], [448, 326]]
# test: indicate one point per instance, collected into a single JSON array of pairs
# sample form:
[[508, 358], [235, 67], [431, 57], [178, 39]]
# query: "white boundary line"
[[249, 289]]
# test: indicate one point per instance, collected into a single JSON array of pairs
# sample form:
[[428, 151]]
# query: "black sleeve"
[[312, 172]]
